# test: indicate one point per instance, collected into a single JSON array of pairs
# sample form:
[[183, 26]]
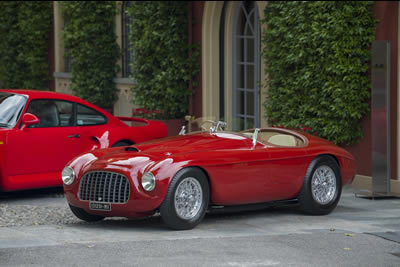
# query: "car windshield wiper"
[[4, 125]]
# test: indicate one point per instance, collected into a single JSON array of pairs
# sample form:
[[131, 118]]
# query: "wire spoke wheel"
[[188, 198], [323, 185], [186, 201]]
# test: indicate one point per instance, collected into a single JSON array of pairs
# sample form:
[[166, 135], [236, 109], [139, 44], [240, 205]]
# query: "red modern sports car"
[[41, 131], [183, 176]]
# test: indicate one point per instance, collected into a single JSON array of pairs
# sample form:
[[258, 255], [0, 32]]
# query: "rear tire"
[[322, 187], [186, 202], [84, 216]]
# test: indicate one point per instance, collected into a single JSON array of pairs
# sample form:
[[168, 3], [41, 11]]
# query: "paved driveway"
[[40, 230]]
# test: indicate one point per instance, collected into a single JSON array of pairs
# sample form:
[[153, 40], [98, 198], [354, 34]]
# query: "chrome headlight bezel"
[[68, 175], [148, 181]]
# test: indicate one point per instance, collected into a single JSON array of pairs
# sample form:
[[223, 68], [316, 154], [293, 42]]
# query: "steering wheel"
[[213, 123], [216, 126]]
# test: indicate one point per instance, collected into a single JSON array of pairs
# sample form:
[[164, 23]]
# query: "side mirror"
[[29, 119]]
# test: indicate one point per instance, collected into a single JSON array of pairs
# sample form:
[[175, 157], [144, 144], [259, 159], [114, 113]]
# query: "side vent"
[[132, 149]]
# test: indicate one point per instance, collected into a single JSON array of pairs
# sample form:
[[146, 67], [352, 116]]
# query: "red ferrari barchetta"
[[182, 176], [41, 131]]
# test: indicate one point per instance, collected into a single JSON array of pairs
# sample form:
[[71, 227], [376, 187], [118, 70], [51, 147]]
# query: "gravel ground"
[[26, 215], [40, 207], [30, 209]]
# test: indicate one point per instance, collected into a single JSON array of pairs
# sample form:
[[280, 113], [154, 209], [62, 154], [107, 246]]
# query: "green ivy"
[[162, 68], [317, 57], [90, 40], [24, 44]]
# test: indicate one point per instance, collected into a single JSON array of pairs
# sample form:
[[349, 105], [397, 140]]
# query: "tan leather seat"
[[282, 140]]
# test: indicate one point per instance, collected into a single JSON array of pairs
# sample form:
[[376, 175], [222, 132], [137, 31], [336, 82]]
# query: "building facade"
[[229, 35]]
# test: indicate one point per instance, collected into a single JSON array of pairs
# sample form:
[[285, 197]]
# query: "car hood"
[[114, 158], [153, 151], [194, 143]]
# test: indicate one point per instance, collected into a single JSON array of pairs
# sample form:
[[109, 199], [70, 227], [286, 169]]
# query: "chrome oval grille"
[[101, 186]]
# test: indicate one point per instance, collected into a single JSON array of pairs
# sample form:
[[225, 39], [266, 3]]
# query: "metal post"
[[380, 118]]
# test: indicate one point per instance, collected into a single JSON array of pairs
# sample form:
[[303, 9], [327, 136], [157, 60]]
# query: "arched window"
[[127, 53], [246, 67]]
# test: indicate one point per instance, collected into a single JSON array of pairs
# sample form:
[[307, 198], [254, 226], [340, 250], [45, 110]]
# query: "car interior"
[[46, 112], [277, 137]]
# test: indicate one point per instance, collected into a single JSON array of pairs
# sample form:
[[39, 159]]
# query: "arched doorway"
[[221, 99], [246, 67]]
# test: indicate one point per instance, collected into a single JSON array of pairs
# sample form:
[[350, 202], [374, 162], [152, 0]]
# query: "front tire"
[[186, 202], [83, 215], [322, 187]]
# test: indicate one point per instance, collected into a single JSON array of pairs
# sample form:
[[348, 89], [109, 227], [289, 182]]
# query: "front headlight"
[[68, 175], [148, 181]]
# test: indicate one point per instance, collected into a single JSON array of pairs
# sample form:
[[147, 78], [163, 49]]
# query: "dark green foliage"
[[90, 40], [24, 44], [161, 68], [317, 61]]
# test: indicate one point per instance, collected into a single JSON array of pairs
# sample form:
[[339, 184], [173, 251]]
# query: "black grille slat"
[[109, 188], [119, 190], [114, 187], [104, 187], [95, 187], [126, 188], [87, 188]]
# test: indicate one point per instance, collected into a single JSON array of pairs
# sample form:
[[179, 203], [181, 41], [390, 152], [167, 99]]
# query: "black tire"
[[122, 143], [308, 203], [84, 216], [168, 209]]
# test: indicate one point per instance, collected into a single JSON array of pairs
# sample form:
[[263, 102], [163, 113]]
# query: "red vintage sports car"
[[41, 131], [183, 176]]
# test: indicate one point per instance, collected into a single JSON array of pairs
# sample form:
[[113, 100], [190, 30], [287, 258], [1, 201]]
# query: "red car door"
[[94, 128], [242, 176], [47, 146], [267, 173], [286, 169]]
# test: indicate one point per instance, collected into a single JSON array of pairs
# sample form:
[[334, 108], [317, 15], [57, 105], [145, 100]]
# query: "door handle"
[[74, 136]]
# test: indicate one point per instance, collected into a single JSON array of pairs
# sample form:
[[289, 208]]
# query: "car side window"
[[51, 113], [87, 116]]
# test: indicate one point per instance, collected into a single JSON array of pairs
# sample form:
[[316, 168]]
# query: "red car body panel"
[[238, 172], [34, 157]]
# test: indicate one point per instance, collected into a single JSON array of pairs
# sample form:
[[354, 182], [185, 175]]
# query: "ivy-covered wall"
[[90, 40], [24, 44], [162, 68], [317, 58]]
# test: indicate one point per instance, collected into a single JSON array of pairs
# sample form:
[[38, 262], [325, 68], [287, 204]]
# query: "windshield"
[[11, 107]]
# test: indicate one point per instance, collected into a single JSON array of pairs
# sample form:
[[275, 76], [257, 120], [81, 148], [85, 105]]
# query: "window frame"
[[21, 112], [237, 65], [88, 125], [54, 100]]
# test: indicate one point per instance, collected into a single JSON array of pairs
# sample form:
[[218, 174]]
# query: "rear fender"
[[150, 129]]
